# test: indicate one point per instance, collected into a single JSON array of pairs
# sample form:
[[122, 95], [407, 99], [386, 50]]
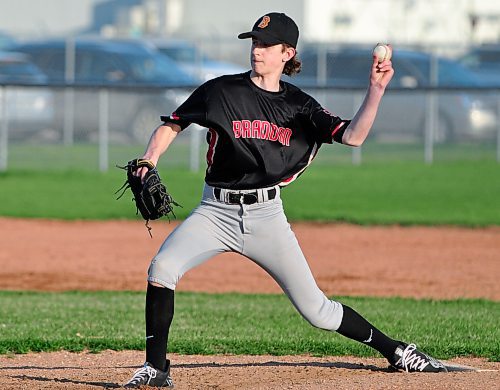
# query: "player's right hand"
[[381, 73]]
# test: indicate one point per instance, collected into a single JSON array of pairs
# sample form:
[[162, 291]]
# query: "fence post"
[[103, 130], [431, 111], [69, 116], [69, 93], [430, 126], [4, 129]]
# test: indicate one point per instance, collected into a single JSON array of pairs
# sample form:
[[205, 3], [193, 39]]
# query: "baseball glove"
[[151, 198]]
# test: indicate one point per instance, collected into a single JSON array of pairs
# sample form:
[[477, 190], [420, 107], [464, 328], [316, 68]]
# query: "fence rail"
[[109, 117]]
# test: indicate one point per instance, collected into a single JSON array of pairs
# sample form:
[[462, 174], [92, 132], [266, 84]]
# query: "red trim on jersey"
[[214, 137], [314, 151], [339, 126]]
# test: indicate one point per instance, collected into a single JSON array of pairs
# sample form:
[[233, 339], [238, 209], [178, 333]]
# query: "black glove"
[[151, 198]]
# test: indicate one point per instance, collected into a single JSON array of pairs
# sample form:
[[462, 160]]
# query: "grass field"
[[458, 193], [55, 157], [392, 186], [239, 324]]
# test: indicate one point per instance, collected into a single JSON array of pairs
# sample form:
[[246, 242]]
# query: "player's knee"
[[328, 316], [320, 323], [164, 272]]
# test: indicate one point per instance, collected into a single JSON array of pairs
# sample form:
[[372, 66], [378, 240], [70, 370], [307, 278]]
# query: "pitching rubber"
[[453, 367]]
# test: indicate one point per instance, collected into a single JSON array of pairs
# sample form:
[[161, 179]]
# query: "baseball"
[[382, 52]]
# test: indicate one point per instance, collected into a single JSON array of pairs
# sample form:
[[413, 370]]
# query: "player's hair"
[[293, 65]]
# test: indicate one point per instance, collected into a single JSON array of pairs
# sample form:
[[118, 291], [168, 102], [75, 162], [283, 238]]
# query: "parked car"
[[152, 83], [6, 40], [484, 62], [462, 113], [29, 108], [193, 60]]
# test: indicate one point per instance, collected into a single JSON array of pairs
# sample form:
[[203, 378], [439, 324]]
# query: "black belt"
[[245, 198]]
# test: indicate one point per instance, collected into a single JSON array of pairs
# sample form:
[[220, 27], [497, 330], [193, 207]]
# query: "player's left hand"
[[151, 196]]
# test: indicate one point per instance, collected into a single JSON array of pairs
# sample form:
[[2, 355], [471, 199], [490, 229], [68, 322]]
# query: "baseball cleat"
[[147, 375], [408, 358]]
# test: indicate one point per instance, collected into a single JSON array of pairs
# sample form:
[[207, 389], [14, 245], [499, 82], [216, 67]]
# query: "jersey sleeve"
[[193, 110], [330, 128]]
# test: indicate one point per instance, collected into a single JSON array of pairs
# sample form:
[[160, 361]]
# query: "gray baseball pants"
[[259, 231]]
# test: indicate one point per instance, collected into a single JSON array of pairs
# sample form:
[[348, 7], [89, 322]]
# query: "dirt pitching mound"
[[417, 262], [432, 262], [63, 370]]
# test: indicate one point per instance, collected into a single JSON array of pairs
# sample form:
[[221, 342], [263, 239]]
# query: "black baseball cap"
[[274, 28]]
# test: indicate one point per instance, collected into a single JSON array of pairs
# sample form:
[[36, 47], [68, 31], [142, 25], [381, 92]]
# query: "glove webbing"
[[153, 190]]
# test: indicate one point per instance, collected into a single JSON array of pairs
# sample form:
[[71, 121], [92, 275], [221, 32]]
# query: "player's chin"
[[259, 71], [257, 66]]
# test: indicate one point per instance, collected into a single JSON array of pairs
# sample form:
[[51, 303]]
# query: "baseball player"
[[262, 134]]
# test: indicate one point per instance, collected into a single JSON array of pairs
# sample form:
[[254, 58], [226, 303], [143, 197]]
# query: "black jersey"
[[257, 138]]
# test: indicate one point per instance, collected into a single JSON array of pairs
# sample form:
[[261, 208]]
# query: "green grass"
[[41, 157], [239, 324], [83, 157], [457, 193]]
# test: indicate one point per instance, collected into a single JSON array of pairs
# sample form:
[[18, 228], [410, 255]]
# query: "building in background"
[[430, 24], [442, 23]]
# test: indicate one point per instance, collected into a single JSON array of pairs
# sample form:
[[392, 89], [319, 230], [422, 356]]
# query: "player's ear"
[[288, 52]]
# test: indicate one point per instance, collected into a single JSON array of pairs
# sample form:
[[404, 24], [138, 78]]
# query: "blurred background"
[[88, 80]]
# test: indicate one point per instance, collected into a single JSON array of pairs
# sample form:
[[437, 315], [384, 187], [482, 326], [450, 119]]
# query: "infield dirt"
[[422, 262]]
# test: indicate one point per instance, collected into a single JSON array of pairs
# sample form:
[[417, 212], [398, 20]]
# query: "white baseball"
[[382, 52]]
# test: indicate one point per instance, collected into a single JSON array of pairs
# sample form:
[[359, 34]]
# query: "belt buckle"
[[242, 198], [233, 197]]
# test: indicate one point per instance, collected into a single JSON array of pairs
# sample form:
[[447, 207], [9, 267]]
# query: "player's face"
[[267, 59]]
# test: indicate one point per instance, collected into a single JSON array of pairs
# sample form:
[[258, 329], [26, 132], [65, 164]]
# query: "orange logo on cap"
[[264, 22]]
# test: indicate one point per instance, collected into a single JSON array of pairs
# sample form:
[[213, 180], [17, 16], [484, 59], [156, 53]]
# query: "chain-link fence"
[[433, 109], [68, 127]]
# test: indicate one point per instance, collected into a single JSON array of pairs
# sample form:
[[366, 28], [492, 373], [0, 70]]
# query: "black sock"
[[357, 328], [159, 314]]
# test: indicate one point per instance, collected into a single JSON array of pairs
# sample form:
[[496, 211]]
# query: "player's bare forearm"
[[359, 128], [160, 140]]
